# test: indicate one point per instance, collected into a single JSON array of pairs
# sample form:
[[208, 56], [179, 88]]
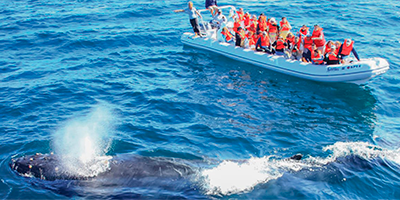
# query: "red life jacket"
[[242, 35], [298, 46], [304, 31], [251, 41], [317, 34], [241, 15], [291, 40], [308, 43], [327, 48], [264, 40], [273, 28], [253, 26], [246, 20], [262, 23], [317, 59], [346, 50], [228, 35], [332, 56], [280, 45], [284, 26], [236, 25]]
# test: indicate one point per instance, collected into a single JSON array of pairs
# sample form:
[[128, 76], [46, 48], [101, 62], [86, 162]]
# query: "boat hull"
[[356, 72]]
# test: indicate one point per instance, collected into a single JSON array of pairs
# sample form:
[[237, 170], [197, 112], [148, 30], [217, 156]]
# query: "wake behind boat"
[[355, 71]]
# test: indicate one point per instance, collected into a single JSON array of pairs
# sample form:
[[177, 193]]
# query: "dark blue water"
[[93, 78]]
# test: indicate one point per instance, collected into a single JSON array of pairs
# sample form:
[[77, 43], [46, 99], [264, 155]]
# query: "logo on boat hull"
[[329, 69]]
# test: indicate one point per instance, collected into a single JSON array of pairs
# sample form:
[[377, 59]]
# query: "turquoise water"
[[94, 78]]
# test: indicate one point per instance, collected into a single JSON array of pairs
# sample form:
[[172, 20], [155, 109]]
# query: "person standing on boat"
[[212, 6], [303, 32], [346, 48], [240, 37], [261, 23], [193, 14], [319, 38], [307, 48], [273, 30], [285, 27]]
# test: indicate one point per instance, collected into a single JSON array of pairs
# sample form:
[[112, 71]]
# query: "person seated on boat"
[[193, 14], [280, 46], [328, 46], [307, 48], [261, 23], [295, 48], [250, 42], [303, 32], [285, 27], [273, 30], [240, 14], [218, 20], [319, 38], [253, 25], [337, 45], [290, 40], [212, 6], [225, 36], [236, 25], [246, 21], [331, 58], [240, 37], [346, 48], [317, 57], [263, 43]]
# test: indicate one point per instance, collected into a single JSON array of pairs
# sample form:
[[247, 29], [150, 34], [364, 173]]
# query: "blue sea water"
[[107, 77]]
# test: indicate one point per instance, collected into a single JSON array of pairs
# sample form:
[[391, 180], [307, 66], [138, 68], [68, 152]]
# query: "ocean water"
[[90, 79]]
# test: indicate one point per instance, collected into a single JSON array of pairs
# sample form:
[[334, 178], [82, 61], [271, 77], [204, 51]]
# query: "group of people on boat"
[[267, 35]]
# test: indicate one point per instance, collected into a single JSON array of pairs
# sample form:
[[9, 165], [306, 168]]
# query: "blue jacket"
[[211, 3]]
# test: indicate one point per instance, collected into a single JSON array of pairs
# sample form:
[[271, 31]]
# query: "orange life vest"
[[304, 31], [262, 23], [298, 46], [285, 26], [317, 59], [253, 26], [273, 28], [327, 48], [346, 49], [280, 45], [332, 56], [264, 40], [251, 41], [228, 36], [241, 15], [242, 35], [290, 39], [317, 34], [236, 25], [246, 20], [308, 43]]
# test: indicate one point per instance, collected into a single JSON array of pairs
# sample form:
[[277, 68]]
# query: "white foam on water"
[[232, 177], [83, 142]]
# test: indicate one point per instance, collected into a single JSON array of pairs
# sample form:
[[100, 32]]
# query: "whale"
[[160, 177], [50, 167]]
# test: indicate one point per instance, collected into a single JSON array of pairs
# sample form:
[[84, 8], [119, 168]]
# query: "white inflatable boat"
[[358, 72]]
